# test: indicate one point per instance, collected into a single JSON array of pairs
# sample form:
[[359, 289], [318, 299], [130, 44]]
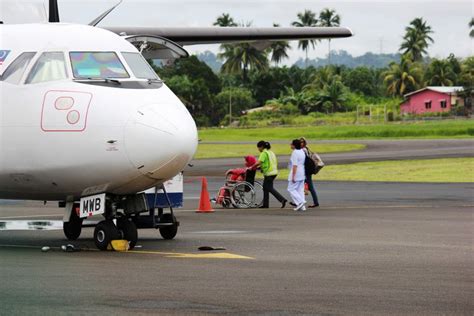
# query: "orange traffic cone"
[[204, 201]]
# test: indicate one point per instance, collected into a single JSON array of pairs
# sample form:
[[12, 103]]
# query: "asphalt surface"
[[371, 248], [381, 249], [376, 150]]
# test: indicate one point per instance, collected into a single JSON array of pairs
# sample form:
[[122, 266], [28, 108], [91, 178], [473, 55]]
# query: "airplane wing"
[[217, 35]]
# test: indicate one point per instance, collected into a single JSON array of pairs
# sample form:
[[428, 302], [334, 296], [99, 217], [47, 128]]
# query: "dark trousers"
[[312, 189], [268, 188]]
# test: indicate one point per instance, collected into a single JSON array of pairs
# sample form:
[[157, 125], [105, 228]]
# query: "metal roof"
[[437, 89]]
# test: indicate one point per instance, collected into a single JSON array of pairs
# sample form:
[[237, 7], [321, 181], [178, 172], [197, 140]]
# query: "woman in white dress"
[[296, 176]]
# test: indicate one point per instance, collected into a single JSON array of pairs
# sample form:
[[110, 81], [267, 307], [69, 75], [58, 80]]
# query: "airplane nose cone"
[[160, 140]]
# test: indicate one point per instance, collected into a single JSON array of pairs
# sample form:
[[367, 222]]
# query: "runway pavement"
[[380, 249], [377, 150]]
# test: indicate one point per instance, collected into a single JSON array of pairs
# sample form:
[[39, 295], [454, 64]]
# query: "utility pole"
[[230, 107]]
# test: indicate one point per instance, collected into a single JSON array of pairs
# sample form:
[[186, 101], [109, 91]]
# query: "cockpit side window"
[[16, 69], [139, 66], [50, 66], [97, 65]]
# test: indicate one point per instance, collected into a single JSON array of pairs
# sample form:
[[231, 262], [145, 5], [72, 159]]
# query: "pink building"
[[431, 99]]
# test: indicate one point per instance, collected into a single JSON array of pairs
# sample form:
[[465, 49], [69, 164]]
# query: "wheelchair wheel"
[[243, 195], [258, 187], [226, 203]]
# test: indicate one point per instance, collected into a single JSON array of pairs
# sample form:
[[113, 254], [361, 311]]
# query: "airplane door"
[[155, 47]]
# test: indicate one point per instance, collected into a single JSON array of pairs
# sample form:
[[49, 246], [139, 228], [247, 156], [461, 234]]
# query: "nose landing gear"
[[122, 225]]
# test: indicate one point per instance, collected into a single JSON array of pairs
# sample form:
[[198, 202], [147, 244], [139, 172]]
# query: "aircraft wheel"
[[72, 229], [104, 233], [129, 231], [168, 232]]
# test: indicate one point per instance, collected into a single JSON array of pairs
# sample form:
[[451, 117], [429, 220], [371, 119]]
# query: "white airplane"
[[84, 119]]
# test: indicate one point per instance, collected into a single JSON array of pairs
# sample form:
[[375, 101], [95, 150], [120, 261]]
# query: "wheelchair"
[[240, 190]]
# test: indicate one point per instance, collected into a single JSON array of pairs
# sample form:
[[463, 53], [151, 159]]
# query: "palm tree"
[[331, 97], [440, 73], [279, 49], [329, 18], [302, 100], [416, 39], [241, 58], [307, 18], [225, 20], [320, 78], [402, 78], [471, 25]]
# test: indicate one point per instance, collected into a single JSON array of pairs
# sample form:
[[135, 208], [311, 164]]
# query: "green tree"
[[267, 85], [332, 97], [307, 18], [363, 80], [240, 98], [302, 100], [416, 39], [466, 79], [241, 58], [402, 78], [193, 68], [279, 49], [329, 18], [225, 20], [467, 72], [321, 77], [440, 73]]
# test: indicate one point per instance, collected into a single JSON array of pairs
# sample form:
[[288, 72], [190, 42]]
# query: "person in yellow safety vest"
[[268, 163]]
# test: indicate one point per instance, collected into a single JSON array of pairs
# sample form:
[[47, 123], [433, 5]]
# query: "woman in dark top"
[[309, 180]]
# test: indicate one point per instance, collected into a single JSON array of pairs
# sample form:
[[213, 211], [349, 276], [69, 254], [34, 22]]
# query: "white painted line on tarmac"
[[221, 232], [32, 216]]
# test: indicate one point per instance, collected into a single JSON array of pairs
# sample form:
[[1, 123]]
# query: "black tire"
[[129, 232], [72, 229], [104, 233], [168, 232]]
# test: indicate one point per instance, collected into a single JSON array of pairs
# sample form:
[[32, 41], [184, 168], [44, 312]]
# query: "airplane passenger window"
[[97, 65], [50, 66], [14, 72], [140, 67]]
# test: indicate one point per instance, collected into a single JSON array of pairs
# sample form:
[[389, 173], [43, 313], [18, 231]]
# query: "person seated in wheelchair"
[[243, 174], [235, 175]]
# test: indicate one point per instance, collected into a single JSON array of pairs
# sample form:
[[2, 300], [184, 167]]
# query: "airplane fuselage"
[[92, 122]]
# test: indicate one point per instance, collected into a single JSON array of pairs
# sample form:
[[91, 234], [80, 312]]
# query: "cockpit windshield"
[[139, 66], [97, 65]]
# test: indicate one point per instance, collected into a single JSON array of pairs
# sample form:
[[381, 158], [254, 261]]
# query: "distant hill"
[[211, 60], [342, 57]]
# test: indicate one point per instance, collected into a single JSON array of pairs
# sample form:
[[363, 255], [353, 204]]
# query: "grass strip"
[[206, 151], [423, 129], [424, 170]]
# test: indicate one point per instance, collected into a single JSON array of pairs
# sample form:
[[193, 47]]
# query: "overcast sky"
[[377, 25]]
